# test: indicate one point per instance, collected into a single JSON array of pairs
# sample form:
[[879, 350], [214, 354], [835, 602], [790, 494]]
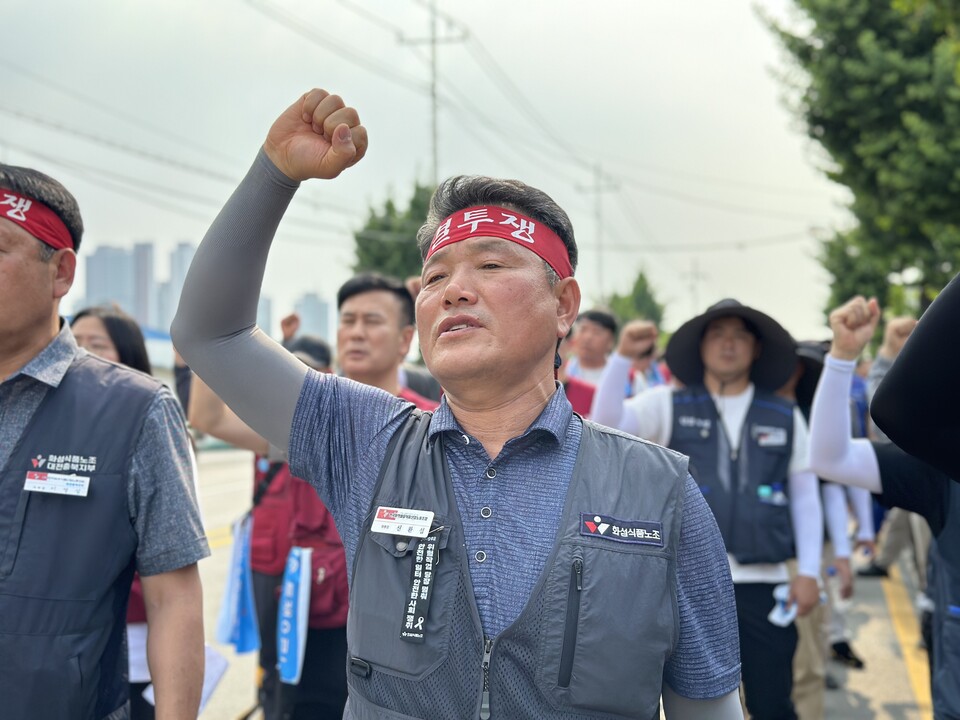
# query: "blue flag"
[[237, 624], [293, 615]]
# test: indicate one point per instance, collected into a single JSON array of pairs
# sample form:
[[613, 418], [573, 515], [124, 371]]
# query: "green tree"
[[388, 242], [640, 302], [877, 89]]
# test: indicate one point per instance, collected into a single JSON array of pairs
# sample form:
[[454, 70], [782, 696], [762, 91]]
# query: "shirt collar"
[[554, 419], [51, 364]]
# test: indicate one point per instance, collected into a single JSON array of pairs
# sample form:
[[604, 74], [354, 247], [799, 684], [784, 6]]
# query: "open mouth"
[[457, 325]]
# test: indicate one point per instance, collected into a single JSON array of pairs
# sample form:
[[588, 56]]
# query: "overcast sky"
[[151, 112]]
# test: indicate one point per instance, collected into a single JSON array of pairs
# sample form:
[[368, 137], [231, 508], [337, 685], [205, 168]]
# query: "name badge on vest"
[[57, 484], [770, 436], [413, 627], [402, 521]]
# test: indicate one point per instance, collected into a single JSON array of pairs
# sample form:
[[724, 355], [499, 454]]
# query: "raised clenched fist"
[[637, 339], [853, 324]]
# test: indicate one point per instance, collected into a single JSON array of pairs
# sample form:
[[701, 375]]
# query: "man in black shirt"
[[900, 480]]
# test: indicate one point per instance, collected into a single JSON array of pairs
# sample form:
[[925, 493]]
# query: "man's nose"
[[458, 290]]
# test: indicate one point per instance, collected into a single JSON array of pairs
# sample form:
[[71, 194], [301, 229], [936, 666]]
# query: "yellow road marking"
[[907, 630], [220, 537]]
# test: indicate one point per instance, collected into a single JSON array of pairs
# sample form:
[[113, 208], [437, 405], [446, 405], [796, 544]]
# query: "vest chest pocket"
[[77, 529], [609, 623], [381, 600], [11, 527], [946, 682]]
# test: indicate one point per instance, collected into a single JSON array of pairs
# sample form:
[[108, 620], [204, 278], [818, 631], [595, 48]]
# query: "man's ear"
[[64, 264], [406, 337], [757, 349], [567, 292]]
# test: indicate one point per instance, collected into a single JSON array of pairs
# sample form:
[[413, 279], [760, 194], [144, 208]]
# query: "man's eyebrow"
[[480, 246]]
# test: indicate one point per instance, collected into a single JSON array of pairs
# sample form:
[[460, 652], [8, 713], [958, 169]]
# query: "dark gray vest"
[[944, 583], [66, 562], [746, 489], [596, 631]]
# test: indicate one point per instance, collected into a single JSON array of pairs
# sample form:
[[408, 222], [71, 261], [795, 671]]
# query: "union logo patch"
[[637, 532]]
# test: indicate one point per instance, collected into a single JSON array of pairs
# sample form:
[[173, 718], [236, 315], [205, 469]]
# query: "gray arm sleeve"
[[677, 707], [215, 326]]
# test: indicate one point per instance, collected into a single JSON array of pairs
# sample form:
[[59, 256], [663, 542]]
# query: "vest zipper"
[[572, 623], [485, 703]]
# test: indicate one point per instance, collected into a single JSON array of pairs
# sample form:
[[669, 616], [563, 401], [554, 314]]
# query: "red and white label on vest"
[[57, 484], [402, 521], [638, 532]]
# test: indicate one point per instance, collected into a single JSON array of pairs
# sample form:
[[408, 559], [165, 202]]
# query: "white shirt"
[[650, 415]]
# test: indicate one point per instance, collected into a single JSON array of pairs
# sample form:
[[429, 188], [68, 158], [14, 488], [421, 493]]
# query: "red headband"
[[498, 222], [36, 218]]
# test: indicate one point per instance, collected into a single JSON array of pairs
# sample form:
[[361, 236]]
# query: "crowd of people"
[[558, 516]]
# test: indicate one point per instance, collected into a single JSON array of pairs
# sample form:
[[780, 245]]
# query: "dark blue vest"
[[944, 584], [747, 488], [66, 562]]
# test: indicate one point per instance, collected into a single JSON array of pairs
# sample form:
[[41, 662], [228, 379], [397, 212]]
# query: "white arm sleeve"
[[676, 707], [834, 455], [862, 503], [807, 515], [835, 511], [608, 406]]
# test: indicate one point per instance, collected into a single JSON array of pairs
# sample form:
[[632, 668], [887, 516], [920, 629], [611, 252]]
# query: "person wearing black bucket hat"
[[731, 360]]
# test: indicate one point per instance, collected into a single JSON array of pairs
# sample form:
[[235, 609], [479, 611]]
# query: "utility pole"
[[433, 90], [433, 40], [600, 186], [695, 277]]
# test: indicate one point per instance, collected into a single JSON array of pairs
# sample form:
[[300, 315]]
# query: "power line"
[[316, 36], [707, 179], [154, 157], [122, 147], [518, 98], [433, 41], [732, 245], [506, 85], [637, 221], [702, 201], [138, 120], [504, 82], [372, 17], [125, 184]]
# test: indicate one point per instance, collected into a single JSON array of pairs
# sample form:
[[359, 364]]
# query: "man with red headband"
[[96, 481], [508, 559]]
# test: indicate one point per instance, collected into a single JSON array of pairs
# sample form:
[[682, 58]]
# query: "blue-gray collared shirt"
[[161, 494], [510, 507]]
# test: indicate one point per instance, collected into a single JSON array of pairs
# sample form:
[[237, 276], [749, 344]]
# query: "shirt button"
[[466, 439], [486, 512], [480, 556], [402, 546], [491, 472]]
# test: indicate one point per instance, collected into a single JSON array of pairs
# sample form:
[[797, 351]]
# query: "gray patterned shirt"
[[161, 495]]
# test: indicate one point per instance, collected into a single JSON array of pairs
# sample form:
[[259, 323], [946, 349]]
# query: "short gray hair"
[[46, 252], [44, 189]]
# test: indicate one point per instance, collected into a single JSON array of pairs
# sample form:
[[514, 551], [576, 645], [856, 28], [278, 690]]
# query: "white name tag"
[[57, 484], [402, 521], [770, 436]]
